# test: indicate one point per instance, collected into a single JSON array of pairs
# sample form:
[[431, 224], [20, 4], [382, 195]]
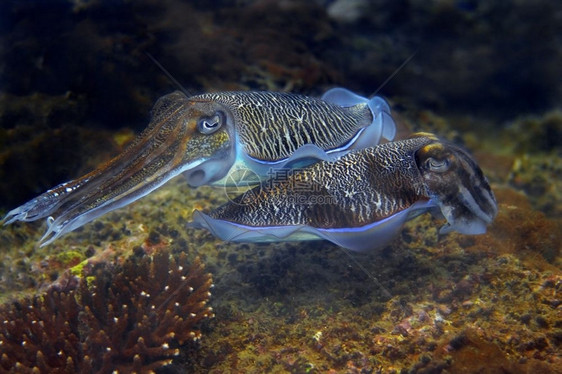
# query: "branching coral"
[[40, 333], [156, 305], [130, 319]]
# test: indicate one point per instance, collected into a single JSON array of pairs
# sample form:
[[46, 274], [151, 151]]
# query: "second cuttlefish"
[[361, 200]]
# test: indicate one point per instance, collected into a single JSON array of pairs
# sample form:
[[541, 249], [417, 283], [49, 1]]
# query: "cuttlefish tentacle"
[[204, 137], [361, 200], [157, 155]]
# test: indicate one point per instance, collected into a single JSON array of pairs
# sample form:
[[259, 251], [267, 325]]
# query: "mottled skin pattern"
[[272, 125], [360, 188], [366, 186]]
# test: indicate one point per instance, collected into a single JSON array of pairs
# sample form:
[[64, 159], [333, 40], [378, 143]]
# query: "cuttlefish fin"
[[305, 155], [382, 124], [256, 171], [372, 236], [233, 232]]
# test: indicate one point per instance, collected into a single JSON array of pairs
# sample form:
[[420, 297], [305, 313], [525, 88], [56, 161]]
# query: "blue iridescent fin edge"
[[259, 170], [378, 106], [305, 155], [357, 239]]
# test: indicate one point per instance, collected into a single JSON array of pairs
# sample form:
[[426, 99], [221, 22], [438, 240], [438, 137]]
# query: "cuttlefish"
[[361, 200], [205, 137]]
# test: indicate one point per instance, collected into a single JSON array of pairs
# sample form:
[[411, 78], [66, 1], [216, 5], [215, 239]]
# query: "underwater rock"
[[41, 142], [537, 165], [537, 133], [134, 319]]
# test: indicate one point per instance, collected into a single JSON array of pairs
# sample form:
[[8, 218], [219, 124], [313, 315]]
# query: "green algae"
[[90, 280], [69, 258], [77, 270]]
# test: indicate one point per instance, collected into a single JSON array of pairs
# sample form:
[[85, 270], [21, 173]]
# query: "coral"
[[537, 133], [41, 333], [130, 318]]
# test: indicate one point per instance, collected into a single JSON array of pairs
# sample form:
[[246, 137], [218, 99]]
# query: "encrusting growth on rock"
[[131, 319]]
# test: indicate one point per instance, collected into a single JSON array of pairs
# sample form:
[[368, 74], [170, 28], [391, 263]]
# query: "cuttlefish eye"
[[208, 125], [435, 158], [438, 166]]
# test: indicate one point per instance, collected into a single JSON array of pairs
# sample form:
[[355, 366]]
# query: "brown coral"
[[40, 333], [132, 318]]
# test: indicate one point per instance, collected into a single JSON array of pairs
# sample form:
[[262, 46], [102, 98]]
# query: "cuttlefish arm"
[[361, 200], [183, 137]]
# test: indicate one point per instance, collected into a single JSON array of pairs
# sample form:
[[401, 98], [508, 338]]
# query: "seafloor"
[[76, 86]]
